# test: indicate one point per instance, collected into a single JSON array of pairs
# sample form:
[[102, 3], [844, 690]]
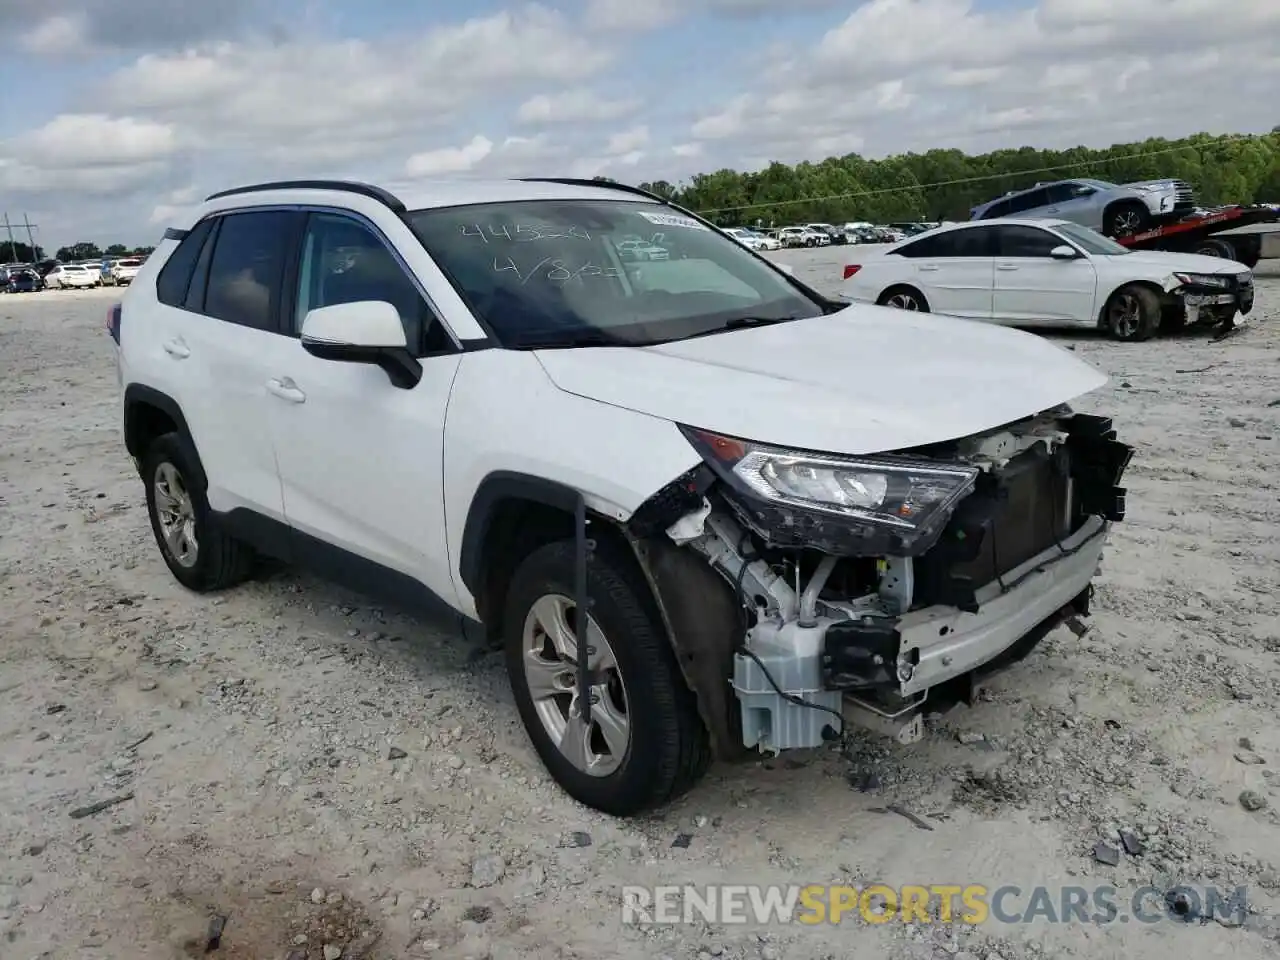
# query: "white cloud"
[[213, 94], [434, 163], [576, 105]]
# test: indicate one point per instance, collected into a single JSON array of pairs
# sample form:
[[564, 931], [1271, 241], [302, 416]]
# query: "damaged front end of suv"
[[819, 590]]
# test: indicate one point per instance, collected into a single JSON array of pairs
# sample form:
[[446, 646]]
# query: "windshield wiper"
[[741, 323], [564, 339]]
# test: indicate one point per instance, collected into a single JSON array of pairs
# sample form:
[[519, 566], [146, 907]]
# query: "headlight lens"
[[1201, 279], [889, 492]]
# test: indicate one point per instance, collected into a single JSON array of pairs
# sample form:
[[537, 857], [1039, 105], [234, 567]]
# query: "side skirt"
[[343, 568]]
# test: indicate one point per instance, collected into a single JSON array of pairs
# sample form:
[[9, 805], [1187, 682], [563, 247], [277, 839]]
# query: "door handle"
[[286, 389], [932, 268], [176, 349], [1006, 266]]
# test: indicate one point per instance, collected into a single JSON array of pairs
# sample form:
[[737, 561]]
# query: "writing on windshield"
[[522, 232]]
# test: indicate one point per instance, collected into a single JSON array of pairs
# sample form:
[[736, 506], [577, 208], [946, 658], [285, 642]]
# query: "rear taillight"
[[850, 269], [113, 321]]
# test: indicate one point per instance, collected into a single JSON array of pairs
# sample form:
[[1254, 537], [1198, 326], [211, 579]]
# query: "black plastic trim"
[[493, 489], [399, 364], [173, 233], [384, 197], [277, 539], [137, 395]]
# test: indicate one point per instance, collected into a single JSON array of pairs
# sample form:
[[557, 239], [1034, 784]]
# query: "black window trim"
[[363, 221]]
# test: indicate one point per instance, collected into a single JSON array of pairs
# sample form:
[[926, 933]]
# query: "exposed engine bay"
[[867, 583]]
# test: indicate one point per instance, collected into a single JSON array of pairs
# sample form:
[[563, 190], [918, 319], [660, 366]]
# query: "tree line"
[[937, 185], [947, 184], [15, 252]]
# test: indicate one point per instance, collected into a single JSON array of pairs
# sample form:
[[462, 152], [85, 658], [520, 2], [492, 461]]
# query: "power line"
[[1229, 138]]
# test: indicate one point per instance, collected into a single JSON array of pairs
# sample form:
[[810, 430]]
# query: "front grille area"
[[1008, 520], [1184, 196]]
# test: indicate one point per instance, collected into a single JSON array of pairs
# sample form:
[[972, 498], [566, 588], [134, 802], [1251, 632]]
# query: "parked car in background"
[[122, 272], [71, 275], [752, 240], [834, 234], [1114, 210], [909, 228], [8, 269], [633, 247], [22, 281], [1049, 272], [803, 237]]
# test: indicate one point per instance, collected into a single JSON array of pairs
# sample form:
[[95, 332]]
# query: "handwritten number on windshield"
[[553, 270], [523, 233]]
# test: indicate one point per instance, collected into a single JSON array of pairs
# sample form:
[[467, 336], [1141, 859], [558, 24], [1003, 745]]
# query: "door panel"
[[1032, 287], [361, 460], [954, 271]]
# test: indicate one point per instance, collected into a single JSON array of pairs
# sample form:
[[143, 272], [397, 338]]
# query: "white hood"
[[864, 380], [1183, 262]]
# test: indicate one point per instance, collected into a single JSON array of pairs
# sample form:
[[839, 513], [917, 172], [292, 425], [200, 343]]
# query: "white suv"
[[783, 513]]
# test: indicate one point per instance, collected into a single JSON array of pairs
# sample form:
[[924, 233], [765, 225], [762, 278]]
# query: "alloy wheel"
[[176, 515], [549, 656]]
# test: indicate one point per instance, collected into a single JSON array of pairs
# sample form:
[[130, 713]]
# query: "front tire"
[[1132, 314], [645, 744], [199, 553]]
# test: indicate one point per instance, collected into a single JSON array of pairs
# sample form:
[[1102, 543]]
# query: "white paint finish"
[[1044, 289], [506, 415], [360, 460], [864, 380], [367, 323]]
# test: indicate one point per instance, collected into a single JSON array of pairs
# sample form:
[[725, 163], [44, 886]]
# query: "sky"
[[118, 114]]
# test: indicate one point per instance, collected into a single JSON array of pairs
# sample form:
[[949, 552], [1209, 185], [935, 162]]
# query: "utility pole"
[[13, 249], [31, 239], [13, 243]]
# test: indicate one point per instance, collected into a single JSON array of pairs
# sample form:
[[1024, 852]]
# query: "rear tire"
[[1125, 219], [1132, 314], [904, 298], [1217, 248], [667, 748], [199, 553]]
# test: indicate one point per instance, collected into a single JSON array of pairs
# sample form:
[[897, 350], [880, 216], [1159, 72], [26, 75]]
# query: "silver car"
[[1115, 210]]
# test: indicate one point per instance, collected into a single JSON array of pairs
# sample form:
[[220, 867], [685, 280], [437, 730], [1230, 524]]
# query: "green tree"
[[947, 184], [79, 251], [16, 252], [116, 250]]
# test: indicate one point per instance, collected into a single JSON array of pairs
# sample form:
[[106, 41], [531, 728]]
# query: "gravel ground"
[[328, 774]]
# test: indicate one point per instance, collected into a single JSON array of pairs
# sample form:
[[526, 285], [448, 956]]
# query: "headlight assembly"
[[906, 500], [1201, 279]]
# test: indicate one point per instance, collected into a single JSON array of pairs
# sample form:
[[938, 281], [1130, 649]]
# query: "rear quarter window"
[[175, 275]]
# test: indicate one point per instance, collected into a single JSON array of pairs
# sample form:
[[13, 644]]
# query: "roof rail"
[[622, 187], [605, 184], [384, 197]]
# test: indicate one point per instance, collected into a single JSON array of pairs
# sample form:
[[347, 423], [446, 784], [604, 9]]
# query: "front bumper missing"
[[943, 643]]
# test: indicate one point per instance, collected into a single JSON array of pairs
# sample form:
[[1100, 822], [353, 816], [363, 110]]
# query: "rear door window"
[[246, 272]]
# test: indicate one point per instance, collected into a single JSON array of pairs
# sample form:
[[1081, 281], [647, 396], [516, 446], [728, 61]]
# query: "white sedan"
[[72, 275], [1049, 273]]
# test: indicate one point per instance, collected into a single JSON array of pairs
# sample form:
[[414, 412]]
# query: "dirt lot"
[[251, 734]]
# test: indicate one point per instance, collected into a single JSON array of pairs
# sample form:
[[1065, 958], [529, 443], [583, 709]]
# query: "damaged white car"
[[783, 514]]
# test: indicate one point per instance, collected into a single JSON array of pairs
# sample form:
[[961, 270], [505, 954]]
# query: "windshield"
[[1091, 241], [602, 272]]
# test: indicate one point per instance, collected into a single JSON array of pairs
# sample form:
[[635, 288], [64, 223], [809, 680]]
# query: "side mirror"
[[367, 331], [786, 268], [1064, 252]]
